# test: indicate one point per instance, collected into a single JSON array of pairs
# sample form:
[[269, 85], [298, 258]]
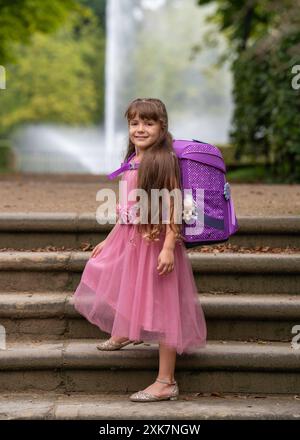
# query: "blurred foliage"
[[265, 37], [6, 155], [99, 9], [20, 19], [58, 78], [242, 20], [229, 155], [266, 116], [253, 174]]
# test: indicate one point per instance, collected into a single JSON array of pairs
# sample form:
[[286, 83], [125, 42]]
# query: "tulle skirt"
[[122, 293]]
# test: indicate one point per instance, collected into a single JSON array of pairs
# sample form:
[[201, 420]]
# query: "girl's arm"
[[170, 240]]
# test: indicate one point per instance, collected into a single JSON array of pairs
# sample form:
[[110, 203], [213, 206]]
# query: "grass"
[[251, 174]]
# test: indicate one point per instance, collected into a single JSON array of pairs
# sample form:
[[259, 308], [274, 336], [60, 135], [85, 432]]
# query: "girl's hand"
[[97, 249], [165, 261]]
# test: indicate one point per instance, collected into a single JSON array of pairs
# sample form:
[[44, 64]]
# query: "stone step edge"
[[213, 262], [221, 306], [189, 406], [83, 354], [86, 222]]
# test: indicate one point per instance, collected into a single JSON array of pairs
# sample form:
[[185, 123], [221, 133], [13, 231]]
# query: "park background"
[[223, 68], [228, 72]]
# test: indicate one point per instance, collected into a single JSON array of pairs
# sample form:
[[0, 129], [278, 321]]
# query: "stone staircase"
[[52, 369], [29, 230]]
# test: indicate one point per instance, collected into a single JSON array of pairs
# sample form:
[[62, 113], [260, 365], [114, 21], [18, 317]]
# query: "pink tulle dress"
[[122, 293]]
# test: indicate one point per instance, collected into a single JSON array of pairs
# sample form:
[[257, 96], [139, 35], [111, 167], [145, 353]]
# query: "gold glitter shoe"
[[109, 344], [144, 396]]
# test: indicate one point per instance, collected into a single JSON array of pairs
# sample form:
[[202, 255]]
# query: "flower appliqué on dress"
[[128, 215]]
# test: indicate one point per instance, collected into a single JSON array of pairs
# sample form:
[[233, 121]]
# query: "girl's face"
[[143, 133]]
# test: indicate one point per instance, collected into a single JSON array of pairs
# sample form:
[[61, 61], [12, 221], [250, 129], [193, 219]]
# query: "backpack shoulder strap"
[[124, 167]]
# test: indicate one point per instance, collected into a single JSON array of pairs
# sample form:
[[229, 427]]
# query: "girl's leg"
[[118, 339], [167, 360]]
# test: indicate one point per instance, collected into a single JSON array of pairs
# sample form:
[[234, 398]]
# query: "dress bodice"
[[126, 209]]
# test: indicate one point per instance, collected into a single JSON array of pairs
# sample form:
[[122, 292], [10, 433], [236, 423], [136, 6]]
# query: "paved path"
[[77, 193]]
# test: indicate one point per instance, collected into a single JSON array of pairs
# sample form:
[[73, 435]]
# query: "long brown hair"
[[159, 167]]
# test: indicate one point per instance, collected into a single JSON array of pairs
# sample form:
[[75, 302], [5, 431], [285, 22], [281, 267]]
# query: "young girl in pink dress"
[[138, 284]]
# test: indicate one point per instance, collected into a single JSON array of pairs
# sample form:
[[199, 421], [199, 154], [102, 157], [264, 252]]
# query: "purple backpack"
[[206, 193]]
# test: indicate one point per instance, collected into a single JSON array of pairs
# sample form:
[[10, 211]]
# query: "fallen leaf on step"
[[215, 394]]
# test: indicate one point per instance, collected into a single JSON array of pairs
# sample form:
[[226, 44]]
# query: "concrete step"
[[23, 230], [214, 272], [36, 316], [116, 406], [77, 366]]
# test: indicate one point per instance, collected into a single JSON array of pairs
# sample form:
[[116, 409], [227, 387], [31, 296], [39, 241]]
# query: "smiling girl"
[[138, 284]]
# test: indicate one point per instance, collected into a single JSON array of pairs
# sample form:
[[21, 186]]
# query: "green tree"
[[20, 19], [244, 21], [58, 78], [99, 9], [265, 39]]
